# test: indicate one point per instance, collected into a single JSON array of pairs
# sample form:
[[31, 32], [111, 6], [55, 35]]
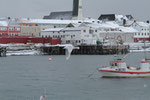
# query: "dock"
[[3, 51], [87, 50]]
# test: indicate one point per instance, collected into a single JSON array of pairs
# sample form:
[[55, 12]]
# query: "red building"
[[25, 40], [10, 31]]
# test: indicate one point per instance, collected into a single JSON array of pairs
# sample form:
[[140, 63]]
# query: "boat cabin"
[[118, 64]]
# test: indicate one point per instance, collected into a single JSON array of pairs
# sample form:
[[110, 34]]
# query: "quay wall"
[[87, 50]]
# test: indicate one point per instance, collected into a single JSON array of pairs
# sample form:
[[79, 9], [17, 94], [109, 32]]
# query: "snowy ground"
[[23, 53], [139, 47], [21, 49]]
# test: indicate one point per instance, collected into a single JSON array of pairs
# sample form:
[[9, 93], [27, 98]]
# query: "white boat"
[[118, 68]]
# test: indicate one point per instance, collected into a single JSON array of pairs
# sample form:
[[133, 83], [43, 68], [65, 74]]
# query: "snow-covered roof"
[[45, 21], [67, 15], [56, 21], [64, 29], [143, 24], [3, 23], [108, 24], [128, 29]]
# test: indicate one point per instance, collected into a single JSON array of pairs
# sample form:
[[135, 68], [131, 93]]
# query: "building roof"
[[130, 17], [107, 17], [120, 19], [3, 23], [128, 29], [64, 29], [65, 15], [143, 24], [45, 21]]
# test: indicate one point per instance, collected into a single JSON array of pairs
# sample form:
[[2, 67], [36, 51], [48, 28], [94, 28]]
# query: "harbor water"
[[29, 77]]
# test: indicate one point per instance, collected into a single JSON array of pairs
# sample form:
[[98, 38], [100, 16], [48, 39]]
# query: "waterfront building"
[[144, 31], [117, 35], [33, 27], [112, 32], [92, 33], [73, 35], [9, 30]]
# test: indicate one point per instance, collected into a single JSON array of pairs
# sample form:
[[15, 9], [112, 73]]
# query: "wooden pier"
[[3, 51], [87, 50]]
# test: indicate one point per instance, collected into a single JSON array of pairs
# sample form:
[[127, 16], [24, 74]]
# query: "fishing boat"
[[118, 68]]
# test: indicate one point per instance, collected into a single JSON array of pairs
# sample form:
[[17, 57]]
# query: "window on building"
[[91, 31], [11, 29], [95, 30], [17, 29], [84, 30]]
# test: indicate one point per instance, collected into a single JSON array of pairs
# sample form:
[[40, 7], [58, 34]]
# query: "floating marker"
[[50, 59]]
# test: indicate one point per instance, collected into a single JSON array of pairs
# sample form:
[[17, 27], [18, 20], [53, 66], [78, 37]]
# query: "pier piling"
[[87, 50], [3, 51]]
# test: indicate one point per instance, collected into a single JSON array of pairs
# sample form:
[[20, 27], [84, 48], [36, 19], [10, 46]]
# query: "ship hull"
[[106, 74]]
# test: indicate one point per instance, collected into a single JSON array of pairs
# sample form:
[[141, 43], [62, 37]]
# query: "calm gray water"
[[29, 77]]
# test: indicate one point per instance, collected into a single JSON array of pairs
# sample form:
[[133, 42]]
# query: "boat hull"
[[123, 75]]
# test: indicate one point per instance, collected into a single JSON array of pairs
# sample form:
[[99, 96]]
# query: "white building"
[[144, 31], [73, 35], [112, 32], [92, 33]]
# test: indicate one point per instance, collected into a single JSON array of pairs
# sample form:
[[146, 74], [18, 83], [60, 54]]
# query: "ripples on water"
[[29, 77]]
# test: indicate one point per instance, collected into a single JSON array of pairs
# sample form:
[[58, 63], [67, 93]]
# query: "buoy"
[[50, 59]]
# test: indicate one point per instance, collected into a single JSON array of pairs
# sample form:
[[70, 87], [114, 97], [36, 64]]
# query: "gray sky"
[[139, 9]]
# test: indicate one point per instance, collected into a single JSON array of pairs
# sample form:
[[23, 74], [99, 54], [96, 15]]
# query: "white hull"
[[122, 75]]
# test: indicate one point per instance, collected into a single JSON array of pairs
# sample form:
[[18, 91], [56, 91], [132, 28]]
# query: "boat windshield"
[[113, 64]]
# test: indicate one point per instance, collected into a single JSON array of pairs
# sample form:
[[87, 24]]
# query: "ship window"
[[115, 64], [112, 64]]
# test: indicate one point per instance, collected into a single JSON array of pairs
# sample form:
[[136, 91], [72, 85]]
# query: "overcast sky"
[[139, 9]]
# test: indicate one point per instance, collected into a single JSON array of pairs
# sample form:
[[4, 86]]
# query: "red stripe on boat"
[[117, 61], [144, 61], [125, 72]]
